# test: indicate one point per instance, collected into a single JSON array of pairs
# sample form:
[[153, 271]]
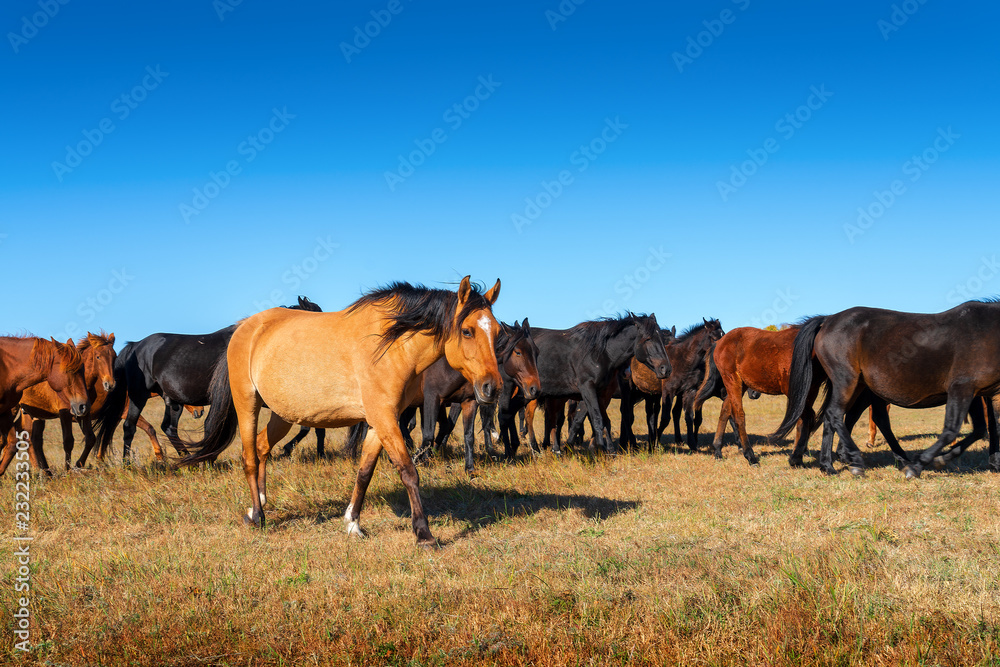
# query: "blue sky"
[[177, 166]]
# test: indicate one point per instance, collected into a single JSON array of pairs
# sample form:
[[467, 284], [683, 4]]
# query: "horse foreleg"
[[37, 450], [276, 429], [960, 398], [979, 428], [89, 439], [469, 431], [66, 424]]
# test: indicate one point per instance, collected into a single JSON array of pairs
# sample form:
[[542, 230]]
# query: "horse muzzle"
[[78, 409], [486, 392], [662, 370]]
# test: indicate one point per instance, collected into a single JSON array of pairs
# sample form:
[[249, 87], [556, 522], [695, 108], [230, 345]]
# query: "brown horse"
[[750, 358], [328, 370], [42, 402], [26, 362]]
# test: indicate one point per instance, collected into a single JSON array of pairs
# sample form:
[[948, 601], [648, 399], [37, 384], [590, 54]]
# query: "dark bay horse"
[[688, 354], [639, 382], [517, 362], [906, 359], [26, 362], [42, 402], [580, 362], [176, 366], [442, 386], [337, 369]]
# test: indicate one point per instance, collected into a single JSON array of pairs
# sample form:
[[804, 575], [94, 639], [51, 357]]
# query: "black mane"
[[595, 334], [692, 330], [415, 309]]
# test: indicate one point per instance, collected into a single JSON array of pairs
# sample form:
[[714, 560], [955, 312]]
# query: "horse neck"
[[622, 346], [416, 353], [16, 367], [688, 350]]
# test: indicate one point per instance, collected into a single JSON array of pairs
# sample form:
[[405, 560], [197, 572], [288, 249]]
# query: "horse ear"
[[111, 339], [524, 324], [494, 292], [464, 289], [673, 330], [704, 320]]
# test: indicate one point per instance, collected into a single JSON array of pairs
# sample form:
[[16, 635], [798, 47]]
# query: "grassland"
[[669, 558]]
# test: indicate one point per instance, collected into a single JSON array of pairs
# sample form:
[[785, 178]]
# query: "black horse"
[[176, 366], [580, 363], [906, 359]]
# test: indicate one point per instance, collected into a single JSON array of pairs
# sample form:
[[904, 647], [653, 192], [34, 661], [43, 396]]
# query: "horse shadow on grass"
[[479, 507]]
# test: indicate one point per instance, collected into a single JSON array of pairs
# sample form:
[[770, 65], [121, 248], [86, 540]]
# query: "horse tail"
[[355, 437], [221, 424], [712, 380], [110, 415], [800, 376]]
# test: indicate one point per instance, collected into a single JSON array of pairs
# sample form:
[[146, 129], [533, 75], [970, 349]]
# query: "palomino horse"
[[25, 362], [906, 359], [42, 402], [328, 370], [176, 366]]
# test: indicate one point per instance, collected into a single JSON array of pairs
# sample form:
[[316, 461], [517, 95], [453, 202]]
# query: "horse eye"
[[467, 332], [517, 353]]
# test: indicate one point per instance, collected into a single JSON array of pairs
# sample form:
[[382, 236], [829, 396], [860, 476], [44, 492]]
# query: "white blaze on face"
[[484, 324]]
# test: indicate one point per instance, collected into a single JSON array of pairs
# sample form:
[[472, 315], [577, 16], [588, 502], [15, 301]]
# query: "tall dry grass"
[[670, 558]]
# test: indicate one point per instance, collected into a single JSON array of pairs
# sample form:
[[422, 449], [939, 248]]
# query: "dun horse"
[[336, 369]]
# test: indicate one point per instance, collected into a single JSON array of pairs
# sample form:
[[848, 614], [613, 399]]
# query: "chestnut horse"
[[907, 359], [26, 362], [328, 370], [42, 402]]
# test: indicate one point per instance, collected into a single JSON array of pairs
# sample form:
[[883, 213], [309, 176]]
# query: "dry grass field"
[[670, 558]]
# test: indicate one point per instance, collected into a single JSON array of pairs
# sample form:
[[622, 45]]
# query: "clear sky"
[[176, 166]]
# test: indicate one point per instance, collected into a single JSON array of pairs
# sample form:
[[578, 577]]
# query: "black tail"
[[711, 385], [355, 437], [221, 423], [801, 376], [111, 413]]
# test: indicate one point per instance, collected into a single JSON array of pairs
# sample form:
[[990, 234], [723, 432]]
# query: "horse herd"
[[403, 347]]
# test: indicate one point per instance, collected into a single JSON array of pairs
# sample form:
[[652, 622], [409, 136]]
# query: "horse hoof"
[[857, 471], [718, 454], [753, 460], [911, 472], [828, 470], [248, 519], [354, 530], [427, 544], [939, 463], [795, 462]]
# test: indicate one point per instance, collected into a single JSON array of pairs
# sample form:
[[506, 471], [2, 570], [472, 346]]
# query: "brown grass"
[[673, 558]]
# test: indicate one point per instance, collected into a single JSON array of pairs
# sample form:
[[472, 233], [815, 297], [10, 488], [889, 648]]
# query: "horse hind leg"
[[276, 429]]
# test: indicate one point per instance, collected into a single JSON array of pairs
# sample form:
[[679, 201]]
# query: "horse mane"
[[94, 340], [595, 334], [43, 354], [692, 330], [989, 299], [413, 309]]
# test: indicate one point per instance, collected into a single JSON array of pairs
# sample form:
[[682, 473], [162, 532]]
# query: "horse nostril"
[[107, 386], [533, 392]]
